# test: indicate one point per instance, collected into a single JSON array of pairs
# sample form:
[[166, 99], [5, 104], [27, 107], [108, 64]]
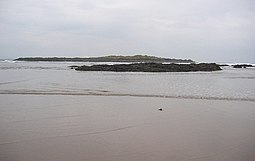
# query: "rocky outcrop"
[[151, 67], [242, 65], [73, 66], [223, 65]]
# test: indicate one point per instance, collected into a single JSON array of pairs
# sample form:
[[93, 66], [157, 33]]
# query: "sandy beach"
[[64, 128]]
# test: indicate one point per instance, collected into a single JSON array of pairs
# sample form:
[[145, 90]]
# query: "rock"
[[223, 65], [151, 67], [242, 65], [73, 66]]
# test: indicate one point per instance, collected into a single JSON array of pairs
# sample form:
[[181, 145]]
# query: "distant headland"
[[112, 58]]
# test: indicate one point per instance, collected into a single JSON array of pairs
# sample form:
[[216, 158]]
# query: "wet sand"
[[110, 128]]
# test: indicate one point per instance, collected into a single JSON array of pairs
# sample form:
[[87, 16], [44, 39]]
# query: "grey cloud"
[[204, 30]]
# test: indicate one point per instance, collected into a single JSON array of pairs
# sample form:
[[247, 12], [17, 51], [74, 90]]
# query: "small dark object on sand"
[[160, 109]]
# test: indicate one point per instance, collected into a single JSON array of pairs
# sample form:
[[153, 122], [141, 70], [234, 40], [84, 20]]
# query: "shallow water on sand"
[[50, 112]]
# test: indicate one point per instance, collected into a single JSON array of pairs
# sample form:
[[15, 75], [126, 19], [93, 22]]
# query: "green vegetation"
[[113, 58]]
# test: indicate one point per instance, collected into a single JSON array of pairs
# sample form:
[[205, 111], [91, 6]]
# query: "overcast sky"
[[202, 30]]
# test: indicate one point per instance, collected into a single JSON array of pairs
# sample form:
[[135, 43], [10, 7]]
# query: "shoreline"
[[42, 93]]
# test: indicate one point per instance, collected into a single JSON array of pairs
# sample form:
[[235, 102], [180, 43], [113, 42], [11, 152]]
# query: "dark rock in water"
[[160, 109], [151, 67], [223, 65], [242, 65], [73, 66]]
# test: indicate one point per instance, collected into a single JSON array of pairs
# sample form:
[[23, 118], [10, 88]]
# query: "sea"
[[57, 78]]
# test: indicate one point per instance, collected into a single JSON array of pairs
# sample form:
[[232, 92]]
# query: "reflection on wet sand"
[[61, 127]]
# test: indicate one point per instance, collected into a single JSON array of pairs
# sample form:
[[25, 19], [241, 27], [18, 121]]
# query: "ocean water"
[[57, 78]]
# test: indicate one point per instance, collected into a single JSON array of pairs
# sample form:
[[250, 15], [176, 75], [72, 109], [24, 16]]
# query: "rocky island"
[[135, 58], [138, 63], [242, 65], [150, 67]]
